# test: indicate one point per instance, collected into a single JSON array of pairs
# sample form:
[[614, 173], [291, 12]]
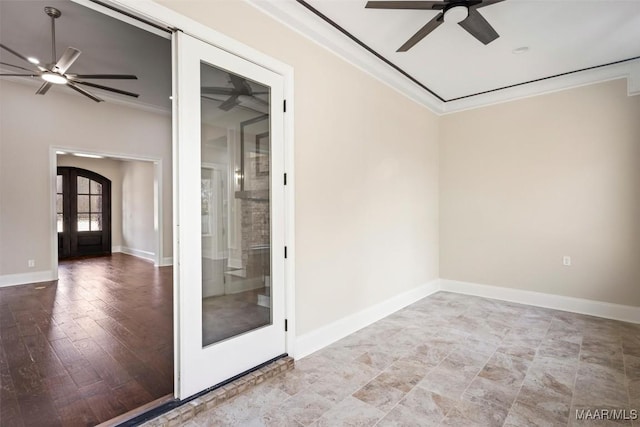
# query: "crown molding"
[[301, 20], [312, 27]]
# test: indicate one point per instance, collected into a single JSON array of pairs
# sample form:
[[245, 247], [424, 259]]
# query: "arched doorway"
[[83, 206]]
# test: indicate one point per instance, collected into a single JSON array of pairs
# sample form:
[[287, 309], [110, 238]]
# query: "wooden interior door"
[[83, 203]]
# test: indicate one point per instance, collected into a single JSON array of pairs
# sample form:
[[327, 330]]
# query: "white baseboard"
[[166, 261], [607, 310], [24, 278], [139, 253], [322, 337], [116, 248], [235, 263]]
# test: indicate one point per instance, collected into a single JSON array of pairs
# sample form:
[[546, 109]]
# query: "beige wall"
[[29, 125], [138, 231], [527, 182], [366, 173], [110, 169]]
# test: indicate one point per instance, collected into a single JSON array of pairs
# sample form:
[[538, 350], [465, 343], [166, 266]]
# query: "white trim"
[[124, 18], [158, 188], [307, 24], [624, 70], [166, 262], [607, 310], [312, 27], [325, 335], [161, 14], [151, 256], [116, 249], [26, 278]]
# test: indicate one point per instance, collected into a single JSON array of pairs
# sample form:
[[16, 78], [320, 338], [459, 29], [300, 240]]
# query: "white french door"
[[230, 266]]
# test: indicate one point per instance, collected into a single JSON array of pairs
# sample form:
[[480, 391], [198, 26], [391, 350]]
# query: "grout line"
[[527, 373], [575, 380]]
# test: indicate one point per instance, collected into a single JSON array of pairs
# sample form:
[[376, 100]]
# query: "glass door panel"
[[235, 298], [231, 215]]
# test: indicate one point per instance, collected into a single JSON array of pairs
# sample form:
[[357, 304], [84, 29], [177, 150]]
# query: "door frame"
[[156, 13], [160, 260], [70, 233]]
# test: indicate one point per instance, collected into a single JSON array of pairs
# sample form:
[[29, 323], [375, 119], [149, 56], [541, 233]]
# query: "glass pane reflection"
[[235, 205]]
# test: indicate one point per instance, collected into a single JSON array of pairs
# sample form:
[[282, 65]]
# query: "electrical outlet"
[[31, 263], [566, 260]]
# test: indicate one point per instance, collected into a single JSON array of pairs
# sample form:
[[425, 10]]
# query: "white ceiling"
[[563, 36], [108, 45]]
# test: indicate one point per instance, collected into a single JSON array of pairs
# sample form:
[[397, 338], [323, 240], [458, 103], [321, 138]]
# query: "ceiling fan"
[[241, 89], [56, 71], [463, 12]]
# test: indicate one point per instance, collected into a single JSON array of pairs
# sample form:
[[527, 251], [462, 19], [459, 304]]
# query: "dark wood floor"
[[91, 346]]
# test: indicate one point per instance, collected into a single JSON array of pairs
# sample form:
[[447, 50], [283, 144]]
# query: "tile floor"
[[454, 360]]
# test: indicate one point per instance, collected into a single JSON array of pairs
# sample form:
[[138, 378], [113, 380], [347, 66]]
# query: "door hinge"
[[285, 179], [285, 251], [284, 105], [286, 325]]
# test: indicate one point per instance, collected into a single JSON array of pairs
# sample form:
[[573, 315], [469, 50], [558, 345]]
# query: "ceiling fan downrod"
[[54, 14]]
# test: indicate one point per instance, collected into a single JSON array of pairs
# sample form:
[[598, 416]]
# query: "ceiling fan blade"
[[229, 103], [240, 84], [103, 76], [44, 88], [68, 57], [16, 66], [19, 75], [217, 90], [486, 3], [478, 27], [84, 92], [111, 89], [8, 49], [422, 32], [413, 5]]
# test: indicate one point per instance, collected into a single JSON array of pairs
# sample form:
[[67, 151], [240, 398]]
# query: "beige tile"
[[602, 353], [538, 399], [632, 367], [456, 360], [634, 394], [377, 359], [521, 351], [350, 412], [490, 391], [379, 394], [505, 369], [524, 415], [556, 377], [335, 387], [558, 348], [600, 385], [420, 407], [470, 414]]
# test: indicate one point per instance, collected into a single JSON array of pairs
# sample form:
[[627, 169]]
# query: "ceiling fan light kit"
[[462, 12], [54, 78], [56, 72]]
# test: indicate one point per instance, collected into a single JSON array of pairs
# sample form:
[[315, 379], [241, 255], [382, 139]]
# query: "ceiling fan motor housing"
[[456, 14]]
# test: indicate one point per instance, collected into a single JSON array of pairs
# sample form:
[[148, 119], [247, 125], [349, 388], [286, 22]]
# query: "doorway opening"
[[83, 213], [88, 337]]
